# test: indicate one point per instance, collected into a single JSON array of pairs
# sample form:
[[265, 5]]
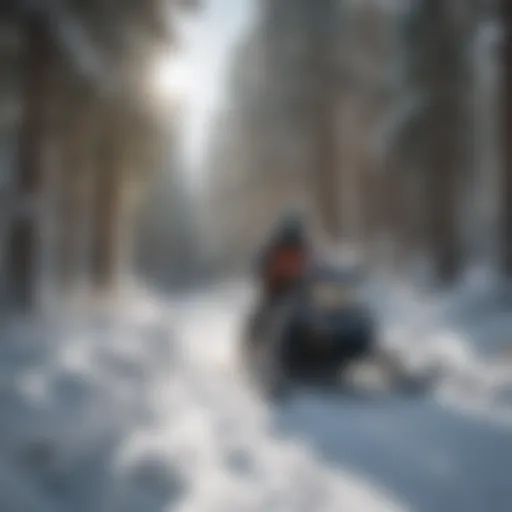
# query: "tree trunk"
[[23, 244], [396, 216], [68, 218], [326, 173], [107, 210], [72, 187], [443, 190], [446, 78], [507, 139]]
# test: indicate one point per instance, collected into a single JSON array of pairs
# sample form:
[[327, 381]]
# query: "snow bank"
[[112, 412], [461, 340], [71, 392]]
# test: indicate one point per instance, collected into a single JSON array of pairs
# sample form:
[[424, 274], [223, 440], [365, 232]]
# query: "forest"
[[386, 122], [147, 150]]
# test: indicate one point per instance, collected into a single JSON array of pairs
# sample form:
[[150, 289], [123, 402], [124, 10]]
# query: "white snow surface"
[[145, 409]]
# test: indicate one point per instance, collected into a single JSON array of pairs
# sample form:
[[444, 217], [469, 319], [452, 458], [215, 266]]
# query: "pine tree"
[[507, 137], [23, 244]]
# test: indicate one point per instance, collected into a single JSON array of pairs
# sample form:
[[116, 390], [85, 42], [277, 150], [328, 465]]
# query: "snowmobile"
[[312, 334], [312, 324]]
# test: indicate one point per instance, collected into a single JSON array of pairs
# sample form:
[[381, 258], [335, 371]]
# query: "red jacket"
[[285, 265]]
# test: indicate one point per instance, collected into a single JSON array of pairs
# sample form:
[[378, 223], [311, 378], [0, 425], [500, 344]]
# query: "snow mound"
[[112, 412], [460, 342], [71, 392]]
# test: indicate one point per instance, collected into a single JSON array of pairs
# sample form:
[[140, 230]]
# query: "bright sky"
[[208, 38]]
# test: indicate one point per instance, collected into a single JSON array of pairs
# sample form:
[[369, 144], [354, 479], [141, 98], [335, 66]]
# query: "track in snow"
[[428, 453]]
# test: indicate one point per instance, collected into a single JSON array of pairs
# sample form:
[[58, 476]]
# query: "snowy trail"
[[427, 453], [261, 468], [430, 457], [146, 411]]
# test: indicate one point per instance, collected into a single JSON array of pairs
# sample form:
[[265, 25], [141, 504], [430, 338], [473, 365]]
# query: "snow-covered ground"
[[146, 410]]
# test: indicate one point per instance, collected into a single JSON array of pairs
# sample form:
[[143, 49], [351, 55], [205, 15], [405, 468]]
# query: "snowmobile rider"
[[284, 257]]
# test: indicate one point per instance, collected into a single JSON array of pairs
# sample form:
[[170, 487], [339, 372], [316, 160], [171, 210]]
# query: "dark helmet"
[[291, 229]]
